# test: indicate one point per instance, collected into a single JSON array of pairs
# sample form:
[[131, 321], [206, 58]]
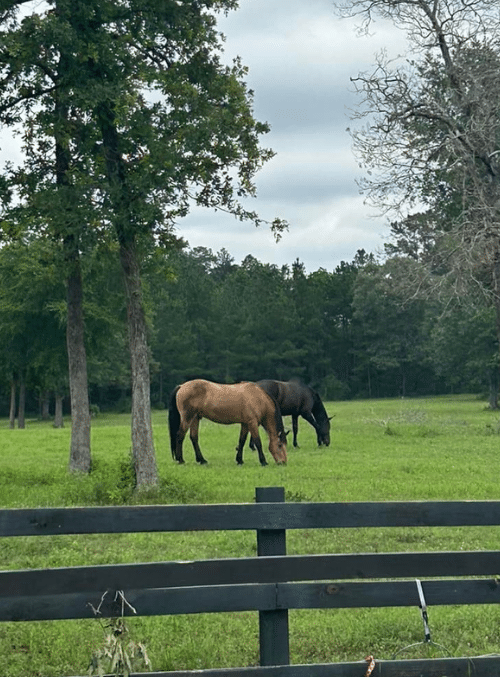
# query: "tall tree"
[[158, 153], [36, 91], [256, 320], [432, 139]]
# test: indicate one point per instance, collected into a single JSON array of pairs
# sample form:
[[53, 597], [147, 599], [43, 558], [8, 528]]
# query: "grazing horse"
[[297, 399], [243, 403]]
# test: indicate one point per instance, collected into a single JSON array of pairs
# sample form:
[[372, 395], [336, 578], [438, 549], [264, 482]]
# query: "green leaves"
[[185, 120]]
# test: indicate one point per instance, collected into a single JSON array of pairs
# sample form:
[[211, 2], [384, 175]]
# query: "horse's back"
[[261, 401], [221, 402], [293, 397], [192, 392]]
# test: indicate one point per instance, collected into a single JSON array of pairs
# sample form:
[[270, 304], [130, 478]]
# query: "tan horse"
[[243, 403]]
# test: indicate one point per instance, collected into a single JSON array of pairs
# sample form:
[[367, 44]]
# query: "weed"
[[297, 497], [119, 655], [493, 429]]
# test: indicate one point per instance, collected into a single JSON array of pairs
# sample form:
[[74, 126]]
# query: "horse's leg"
[[193, 434], [295, 426], [310, 419], [254, 432], [241, 444]]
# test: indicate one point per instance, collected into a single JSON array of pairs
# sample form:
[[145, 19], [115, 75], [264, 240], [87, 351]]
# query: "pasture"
[[441, 448]]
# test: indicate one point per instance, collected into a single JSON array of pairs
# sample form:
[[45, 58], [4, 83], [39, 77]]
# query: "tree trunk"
[[143, 450], [12, 414], [22, 403], [45, 406], [58, 416], [79, 456], [493, 392]]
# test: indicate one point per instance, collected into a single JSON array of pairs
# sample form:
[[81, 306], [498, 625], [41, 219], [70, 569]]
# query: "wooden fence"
[[269, 584]]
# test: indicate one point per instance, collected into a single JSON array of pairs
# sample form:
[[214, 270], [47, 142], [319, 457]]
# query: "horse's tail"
[[174, 422]]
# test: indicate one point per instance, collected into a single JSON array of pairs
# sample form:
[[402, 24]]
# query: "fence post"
[[273, 625]]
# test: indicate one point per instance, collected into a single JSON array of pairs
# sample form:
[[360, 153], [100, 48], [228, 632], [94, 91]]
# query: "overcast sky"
[[300, 57]]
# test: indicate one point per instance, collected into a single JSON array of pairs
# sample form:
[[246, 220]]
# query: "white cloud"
[[320, 235]]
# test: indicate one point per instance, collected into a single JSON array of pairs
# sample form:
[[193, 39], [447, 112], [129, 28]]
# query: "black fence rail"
[[271, 583]]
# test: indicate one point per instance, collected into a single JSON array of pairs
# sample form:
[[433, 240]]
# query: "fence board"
[[337, 595], [436, 667], [272, 569], [258, 597], [148, 603], [53, 521]]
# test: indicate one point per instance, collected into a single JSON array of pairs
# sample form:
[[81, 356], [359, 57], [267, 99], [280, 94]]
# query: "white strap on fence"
[[423, 611]]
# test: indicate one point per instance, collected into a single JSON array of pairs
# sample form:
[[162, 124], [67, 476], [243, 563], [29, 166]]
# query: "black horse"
[[297, 399]]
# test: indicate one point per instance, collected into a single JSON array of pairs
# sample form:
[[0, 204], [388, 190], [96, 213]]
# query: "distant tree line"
[[351, 333]]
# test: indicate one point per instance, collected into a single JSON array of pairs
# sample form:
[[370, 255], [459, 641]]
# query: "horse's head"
[[323, 433], [277, 447]]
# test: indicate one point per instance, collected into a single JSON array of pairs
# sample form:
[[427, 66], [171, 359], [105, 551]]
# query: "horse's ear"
[[330, 417]]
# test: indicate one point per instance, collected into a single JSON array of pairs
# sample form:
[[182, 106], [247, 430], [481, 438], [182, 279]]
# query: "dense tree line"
[[352, 332]]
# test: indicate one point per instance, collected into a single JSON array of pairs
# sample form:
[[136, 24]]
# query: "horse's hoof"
[[181, 462], [203, 462], [239, 462], [264, 463]]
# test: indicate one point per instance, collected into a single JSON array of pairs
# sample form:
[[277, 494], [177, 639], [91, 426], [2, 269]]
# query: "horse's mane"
[[278, 419], [318, 406]]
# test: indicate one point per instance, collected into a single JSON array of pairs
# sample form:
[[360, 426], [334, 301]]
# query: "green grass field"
[[440, 448]]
